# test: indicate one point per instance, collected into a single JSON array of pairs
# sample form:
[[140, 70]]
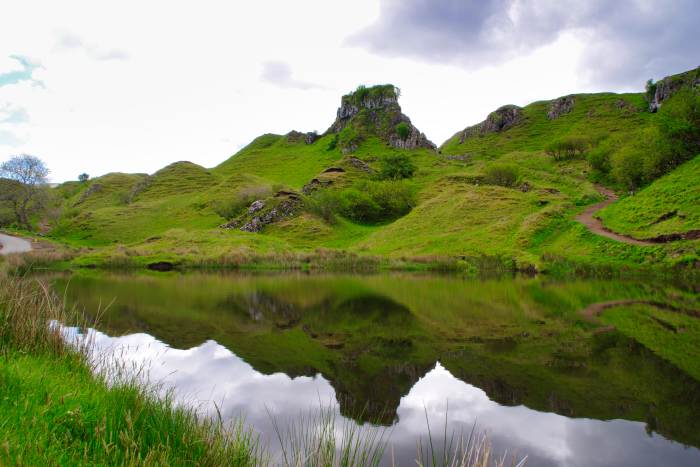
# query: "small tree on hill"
[[83, 177], [29, 174]]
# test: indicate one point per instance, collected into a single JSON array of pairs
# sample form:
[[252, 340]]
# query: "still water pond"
[[513, 356]]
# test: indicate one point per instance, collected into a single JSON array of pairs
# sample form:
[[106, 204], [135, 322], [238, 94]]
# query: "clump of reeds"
[[320, 438]]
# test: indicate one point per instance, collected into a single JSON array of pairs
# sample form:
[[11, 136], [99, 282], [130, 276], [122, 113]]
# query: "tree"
[[28, 173], [83, 177]]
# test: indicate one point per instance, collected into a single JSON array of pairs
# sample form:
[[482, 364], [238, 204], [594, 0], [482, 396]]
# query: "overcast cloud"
[[132, 86], [625, 39]]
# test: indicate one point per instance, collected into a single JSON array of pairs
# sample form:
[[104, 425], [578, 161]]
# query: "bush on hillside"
[[396, 166], [325, 204], [333, 143], [505, 175], [403, 130], [233, 206], [569, 147], [366, 202]]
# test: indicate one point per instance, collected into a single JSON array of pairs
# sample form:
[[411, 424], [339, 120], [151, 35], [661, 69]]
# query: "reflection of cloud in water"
[[210, 374]]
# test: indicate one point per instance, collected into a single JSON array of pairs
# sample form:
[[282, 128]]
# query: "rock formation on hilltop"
[[375, 111]]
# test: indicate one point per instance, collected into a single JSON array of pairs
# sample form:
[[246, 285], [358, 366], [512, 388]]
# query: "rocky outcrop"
[[498, 121], [670, 85], [297, 136], [376, 111], [559, 107], [261, 213]]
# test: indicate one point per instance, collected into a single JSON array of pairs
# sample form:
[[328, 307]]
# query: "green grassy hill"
[[374, 186], [669, 205]]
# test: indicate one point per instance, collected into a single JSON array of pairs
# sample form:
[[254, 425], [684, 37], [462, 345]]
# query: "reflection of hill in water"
[[364, 337]]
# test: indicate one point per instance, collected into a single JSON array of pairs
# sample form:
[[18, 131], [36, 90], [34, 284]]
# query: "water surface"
[[511, 355]]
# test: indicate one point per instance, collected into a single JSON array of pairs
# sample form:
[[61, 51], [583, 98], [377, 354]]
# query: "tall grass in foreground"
[[56, 408], [55, 411]]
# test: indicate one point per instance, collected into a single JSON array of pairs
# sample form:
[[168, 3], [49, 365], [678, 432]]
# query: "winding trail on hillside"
[[10, 245], [596, 226]]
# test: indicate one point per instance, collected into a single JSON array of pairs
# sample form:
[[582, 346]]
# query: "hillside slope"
[[670, 205], [374, 186]]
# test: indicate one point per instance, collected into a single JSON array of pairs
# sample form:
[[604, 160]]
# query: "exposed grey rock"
[[315, 184], [559, 107], [359, 164], [498, 121], [296, 136], [256, 206]]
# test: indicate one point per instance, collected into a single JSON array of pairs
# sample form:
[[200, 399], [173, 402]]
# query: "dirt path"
[[10, 245], [596, 225]]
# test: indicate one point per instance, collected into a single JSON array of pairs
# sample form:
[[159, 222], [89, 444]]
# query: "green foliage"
[[569, 147], [365, 202], [333, 143], [679, 123], [348, 138], [403, 130], [650, 89], [375, 92], [395, 166], [505, 175], [83, 177]]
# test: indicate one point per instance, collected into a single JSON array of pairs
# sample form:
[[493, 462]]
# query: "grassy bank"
[[55, 411]]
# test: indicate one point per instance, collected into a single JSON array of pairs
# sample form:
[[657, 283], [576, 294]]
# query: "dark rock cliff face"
[[670, 85], [499, 120], [376, 111], [559, 107]]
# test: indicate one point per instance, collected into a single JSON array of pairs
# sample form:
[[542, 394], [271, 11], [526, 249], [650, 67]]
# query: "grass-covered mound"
[[509, 188], [670, 205]]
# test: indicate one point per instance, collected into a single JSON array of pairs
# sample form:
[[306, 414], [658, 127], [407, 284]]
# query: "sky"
[[99, 86]]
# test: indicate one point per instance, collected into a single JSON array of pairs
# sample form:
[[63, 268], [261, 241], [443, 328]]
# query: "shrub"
[[359, 206], [501, 174], [396, 166], [394, 197], [650, 90], [324, 203], [366, 202], [234, 205], [627, 168], [403, 130], [568, 147], [333, 143]]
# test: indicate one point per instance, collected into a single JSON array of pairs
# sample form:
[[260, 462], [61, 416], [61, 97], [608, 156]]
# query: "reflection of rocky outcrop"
[[261, 305], [376, 398]]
